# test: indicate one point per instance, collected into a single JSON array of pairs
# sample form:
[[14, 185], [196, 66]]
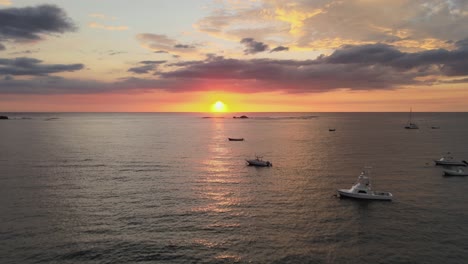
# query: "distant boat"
[[456, 172], [362, 190], [236, 139], [331, 129], [448, 160], [243, 116], [258, 162], [435, 127], [411, 124]]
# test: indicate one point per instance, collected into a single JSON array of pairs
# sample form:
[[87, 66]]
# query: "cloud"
[[24, 52], [352, 67], [102, 16], [146, 67], [327, 24], [279, 48], [110, 28], [259, 75], [450, 63], [2, 47], [34, 67], [116, 52], [163, 44], [253, 46], [30, 23], [5, 2], [368, 67], [181, 46]]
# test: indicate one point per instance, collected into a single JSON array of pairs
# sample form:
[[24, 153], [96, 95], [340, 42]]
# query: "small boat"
[[258, 162], [236, 139], [435, 127], [448, 160], [456, 172], [362, 190], [411, 124], [331, 129]]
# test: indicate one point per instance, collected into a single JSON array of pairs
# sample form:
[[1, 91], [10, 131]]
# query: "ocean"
[[171, 188]]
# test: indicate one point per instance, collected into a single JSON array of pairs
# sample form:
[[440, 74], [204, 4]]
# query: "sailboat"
[[411, 124]]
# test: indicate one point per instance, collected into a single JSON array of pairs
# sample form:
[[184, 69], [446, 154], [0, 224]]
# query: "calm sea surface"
[[170, 188]]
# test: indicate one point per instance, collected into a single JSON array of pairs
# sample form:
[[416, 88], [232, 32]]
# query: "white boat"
[[259, 162], [448, 160], [455, 172], [362, 190], [411, 124]]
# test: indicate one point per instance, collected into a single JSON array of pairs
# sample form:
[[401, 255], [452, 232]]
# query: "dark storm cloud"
[[153, 62], [451, 63], [293, 76], [279, 48], [364, 67], [29, 23], [34, 67], [252, 46], [44, 85], [463, 44], [147, 67], [364, 54], [142, 69], [376, 66]]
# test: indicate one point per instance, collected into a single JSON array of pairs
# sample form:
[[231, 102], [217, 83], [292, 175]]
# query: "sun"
[[218, 107]]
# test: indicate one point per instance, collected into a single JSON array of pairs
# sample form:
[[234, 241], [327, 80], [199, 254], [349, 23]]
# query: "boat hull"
[[455, 173], [376, 196], [450, 163], [236, 139], [257, 163]]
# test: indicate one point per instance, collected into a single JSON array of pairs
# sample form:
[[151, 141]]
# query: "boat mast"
[[410, 114]]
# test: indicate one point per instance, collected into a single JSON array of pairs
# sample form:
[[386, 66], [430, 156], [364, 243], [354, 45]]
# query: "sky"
[[253, 55]]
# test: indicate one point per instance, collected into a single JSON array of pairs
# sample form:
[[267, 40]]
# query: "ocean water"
[[170, 188]]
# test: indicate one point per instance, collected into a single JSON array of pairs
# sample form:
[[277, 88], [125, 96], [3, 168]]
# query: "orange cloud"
[[111, 28]]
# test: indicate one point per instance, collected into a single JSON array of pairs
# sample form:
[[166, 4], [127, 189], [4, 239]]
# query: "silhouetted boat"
[[331, 129], [455, 172], [236, 139], [259, 162], [411, 124]]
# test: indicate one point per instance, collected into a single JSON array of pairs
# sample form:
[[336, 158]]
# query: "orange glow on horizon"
[[428, 99]]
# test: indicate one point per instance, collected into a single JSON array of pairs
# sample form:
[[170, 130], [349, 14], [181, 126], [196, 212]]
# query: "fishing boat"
[[448, 160], [236, 139], [258, 162], [455, 172], [411, 124], [362, 190]]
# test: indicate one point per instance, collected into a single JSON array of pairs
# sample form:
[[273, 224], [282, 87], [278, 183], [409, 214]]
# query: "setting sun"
[[218, 107]]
